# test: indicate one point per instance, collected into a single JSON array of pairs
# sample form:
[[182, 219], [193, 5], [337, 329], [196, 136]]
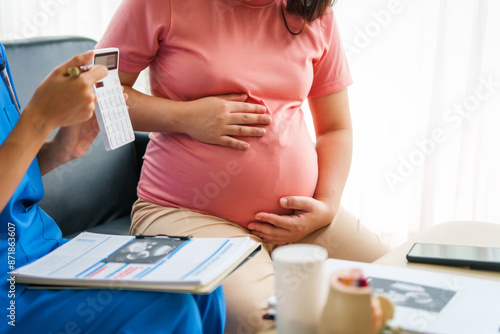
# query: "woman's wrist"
[[180, 113], [331, 207]]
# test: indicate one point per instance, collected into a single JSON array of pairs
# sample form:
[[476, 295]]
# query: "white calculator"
[[110, 110]]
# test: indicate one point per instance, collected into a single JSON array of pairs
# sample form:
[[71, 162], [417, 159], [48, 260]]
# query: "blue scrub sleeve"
[[117, 311]]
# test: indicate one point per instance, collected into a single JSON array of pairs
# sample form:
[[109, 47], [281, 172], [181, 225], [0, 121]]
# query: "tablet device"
[[485, 258]]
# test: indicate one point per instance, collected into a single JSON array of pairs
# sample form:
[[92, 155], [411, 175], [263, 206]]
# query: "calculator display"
[[110, 60]]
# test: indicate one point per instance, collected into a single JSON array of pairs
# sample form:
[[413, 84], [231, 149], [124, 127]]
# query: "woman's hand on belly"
[[218, 119], [309, 215]]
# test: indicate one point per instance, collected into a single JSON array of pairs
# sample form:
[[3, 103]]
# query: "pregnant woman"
[[229, 152]]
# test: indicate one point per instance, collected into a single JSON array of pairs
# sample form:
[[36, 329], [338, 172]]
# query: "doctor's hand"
[[73, 141], [66, 103], [61, 100], [308, 216], [219, 119]]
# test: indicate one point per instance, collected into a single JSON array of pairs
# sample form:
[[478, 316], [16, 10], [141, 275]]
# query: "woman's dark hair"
[[308, 10]]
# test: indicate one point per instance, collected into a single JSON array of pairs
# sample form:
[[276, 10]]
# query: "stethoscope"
[[5, 76]]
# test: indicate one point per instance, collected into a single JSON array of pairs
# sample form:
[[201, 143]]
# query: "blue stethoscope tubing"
[[5, 76]]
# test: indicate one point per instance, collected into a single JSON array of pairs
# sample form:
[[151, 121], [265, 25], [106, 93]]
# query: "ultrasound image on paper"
[[146, 250], [413, 295]]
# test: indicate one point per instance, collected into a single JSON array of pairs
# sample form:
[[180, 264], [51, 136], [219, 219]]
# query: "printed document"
[[146, 263]]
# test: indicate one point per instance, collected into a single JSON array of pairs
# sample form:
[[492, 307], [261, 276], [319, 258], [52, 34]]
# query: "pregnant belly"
[[231, 184]]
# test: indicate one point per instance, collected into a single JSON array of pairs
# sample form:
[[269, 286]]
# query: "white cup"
[[301, 287]]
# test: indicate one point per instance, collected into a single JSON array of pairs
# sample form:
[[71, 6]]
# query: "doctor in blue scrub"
[[27, 232]]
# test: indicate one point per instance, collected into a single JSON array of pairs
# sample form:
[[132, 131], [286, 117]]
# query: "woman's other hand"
[[308, 216]]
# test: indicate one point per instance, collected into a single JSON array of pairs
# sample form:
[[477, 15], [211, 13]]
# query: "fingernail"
[[284, 201], [250, 226]]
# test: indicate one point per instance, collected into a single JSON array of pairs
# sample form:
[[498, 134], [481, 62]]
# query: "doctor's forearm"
[[18, 151]]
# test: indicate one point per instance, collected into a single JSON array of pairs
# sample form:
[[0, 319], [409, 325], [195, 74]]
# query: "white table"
[[466, 233]]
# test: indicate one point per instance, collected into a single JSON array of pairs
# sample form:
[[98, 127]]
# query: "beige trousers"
[[248, 288]]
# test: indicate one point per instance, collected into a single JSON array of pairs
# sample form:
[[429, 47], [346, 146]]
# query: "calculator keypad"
[[114, 118]]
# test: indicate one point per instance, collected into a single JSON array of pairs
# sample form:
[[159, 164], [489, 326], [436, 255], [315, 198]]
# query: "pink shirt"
[[199, 48]]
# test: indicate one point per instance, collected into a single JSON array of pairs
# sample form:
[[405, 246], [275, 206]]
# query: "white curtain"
[[426, 112], [31, 18], [425, 103]]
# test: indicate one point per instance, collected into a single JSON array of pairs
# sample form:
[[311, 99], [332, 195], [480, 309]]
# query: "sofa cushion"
[[98, 188], [117, 226]]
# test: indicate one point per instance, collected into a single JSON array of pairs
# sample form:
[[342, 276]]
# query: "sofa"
[[95, 192]]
